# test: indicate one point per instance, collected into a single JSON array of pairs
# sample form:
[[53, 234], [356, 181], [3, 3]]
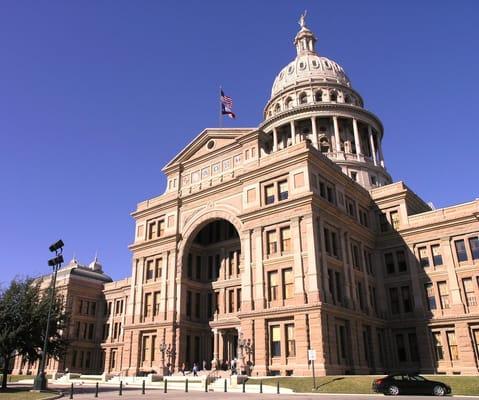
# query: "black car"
[[407, 383]]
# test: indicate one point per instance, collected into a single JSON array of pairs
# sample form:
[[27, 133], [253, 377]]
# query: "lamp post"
[[163, 349], [245, 346], [170, 353], [40, 382]]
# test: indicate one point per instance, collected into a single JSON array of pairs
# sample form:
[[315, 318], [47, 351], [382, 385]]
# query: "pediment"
[[208, 141]]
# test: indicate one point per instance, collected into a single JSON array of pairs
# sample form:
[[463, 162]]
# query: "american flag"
[[226, 105]]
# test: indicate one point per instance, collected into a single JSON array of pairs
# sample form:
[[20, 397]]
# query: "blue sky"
[[96, 97]]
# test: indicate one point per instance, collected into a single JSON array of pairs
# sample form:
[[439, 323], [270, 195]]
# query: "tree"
[[23, 318]]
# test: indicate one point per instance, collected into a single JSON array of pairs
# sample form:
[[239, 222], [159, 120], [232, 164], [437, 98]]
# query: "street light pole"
[[40, 382]]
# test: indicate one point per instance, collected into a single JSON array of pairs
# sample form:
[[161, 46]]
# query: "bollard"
[[186, 385], [143, 387], [226, 385], [277, 387], [120, 393], [244, 386], [165, 388], [71, 391], [261, 386], [206, 385], [96, 390]]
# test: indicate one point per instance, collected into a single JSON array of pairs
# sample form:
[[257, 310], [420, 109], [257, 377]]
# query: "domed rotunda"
[[312, 99]]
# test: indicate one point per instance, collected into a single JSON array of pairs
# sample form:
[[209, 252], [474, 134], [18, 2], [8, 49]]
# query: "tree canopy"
[[23, 318]]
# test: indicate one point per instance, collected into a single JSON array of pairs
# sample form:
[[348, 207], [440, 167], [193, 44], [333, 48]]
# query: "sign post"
[[312, 358]]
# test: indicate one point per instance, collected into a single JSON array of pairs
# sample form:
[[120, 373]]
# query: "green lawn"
[[464, 385], [16, 378], [23, 394]]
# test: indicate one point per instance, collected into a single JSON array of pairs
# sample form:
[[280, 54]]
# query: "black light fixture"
[[40, 382], [58, 245]]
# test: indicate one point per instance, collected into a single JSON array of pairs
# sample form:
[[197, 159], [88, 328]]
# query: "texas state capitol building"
[[292, 236]]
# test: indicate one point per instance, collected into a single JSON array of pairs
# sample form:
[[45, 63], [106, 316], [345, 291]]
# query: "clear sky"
[[97, 96]]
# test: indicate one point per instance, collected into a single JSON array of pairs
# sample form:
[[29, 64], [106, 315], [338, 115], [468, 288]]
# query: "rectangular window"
[[231, 300], [394, 298], [475, 335], [423, 257], [474, 245], [356, 256], [389, 259], [152, 230], [197, 305], [188, 303], [469, 292], [413, 349], [148, 305], [156, 303], [401, 258], [460, 250], [339, 295], [406, 299], [161, 228], [360, 295], [443, 294], [430, 297], [334, 244], [394, 215], [190, 266], [438, 346], [290, 341], [401, 348], [269, 194], [436, 255], [288, 282], [383, 223], [285, 239], [271, 242], [282, 190], [149, 270], [275, 332], [451, 342], [91, 328], [158, 262], [198, 268], [238, 299], [273, 285]]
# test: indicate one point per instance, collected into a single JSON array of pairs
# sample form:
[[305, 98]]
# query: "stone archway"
[[209, 261]]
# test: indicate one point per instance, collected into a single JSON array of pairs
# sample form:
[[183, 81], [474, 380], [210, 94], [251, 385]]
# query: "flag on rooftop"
[[226, 105]]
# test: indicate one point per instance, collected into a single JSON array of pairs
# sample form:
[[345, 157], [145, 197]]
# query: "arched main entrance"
[[211, 294]]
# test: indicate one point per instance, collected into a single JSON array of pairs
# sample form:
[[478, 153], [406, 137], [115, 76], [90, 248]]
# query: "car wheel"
[[393, 390], [438, 391]]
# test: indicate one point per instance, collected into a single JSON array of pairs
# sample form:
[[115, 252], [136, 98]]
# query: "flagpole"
[[221, 109]]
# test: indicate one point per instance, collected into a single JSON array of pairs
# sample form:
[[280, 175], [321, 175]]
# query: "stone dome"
[[308, 66]]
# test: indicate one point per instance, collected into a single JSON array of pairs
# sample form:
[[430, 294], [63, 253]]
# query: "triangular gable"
[[197, 147]]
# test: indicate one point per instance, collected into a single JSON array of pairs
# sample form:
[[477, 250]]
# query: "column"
[[453, 282], [259, 299], [380, 149], [293, 133], [336, 134], [246, 278], [313, 262], [314, 132], [356, 139], [327, 296], [298, 262], [275, 139], [346, 268], [373, 147], [164, 274]]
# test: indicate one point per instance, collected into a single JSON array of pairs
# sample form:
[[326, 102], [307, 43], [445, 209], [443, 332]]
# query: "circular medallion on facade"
[[210, 144]]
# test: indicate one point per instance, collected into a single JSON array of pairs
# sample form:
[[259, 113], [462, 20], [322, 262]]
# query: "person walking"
[[195, 369], [183, 368]]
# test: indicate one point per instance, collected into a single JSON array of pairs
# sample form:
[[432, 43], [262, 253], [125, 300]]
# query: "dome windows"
[[318, 96], [277, 108], [302, 65], [324, 144], [289, 103], [290, 69], [333, 96], [303, 98], [315, 64]]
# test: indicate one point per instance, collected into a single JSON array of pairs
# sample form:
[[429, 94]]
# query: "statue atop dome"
[[302, 19]]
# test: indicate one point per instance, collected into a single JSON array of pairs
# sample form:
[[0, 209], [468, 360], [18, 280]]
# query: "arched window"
[[324, 145], [277, 108], [347, 99], [333, 95], [289, 103], [303, 98], [318, 96]]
